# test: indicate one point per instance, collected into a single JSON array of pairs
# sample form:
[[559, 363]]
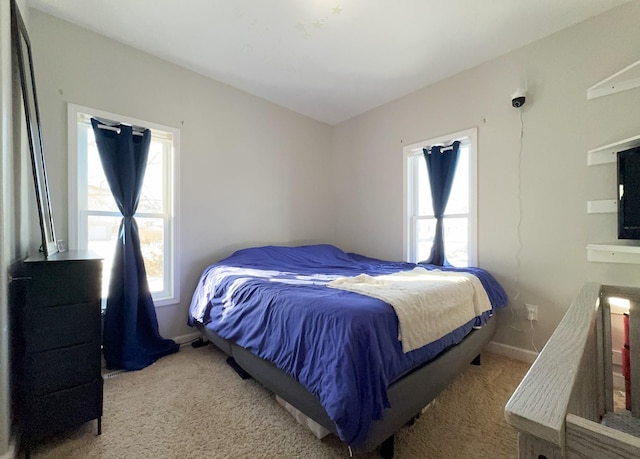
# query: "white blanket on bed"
[[429, 304]]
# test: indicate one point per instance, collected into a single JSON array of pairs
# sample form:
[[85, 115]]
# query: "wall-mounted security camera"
[[518, 98]]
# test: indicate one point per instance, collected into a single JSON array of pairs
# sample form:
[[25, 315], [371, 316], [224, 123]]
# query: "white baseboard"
[[525, 355], [513, 352], [185, 339]]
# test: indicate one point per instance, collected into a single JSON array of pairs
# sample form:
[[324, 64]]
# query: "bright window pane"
[[103, 231], [459, 198], [425, 229], [151, 196], [98, 192], [102, 235], [455, 235], [455, 229], [459, 218], [456, 240], [151, 231], [99, 195], [425, 205], [98, 217]]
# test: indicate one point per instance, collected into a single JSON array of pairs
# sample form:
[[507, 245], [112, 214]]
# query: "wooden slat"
[[633, 295], [586, 398], [587, 439], [607, 352], [634, 356], [539, 404]]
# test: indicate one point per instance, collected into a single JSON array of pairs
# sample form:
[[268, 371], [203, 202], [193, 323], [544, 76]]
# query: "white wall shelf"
[[613, 253], [607, 153], [625, 79], [621, 251], [602, 206]]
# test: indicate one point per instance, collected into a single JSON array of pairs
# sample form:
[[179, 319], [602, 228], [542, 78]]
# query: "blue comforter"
[[342, 346]]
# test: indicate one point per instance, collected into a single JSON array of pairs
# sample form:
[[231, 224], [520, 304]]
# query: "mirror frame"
[[22, 51]]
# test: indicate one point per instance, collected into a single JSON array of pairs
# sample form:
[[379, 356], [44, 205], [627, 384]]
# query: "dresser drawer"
[[63, 409], [55, 343], [61, 326], [55, 283], [62, 368]]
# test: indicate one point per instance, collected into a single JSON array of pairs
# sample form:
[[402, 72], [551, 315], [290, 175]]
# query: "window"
[[94, 218], [460, 220]]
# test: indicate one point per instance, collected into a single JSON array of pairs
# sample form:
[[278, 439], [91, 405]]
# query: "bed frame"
[[407, 396]]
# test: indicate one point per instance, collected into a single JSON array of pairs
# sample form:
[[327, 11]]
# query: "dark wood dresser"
[[56, 343]]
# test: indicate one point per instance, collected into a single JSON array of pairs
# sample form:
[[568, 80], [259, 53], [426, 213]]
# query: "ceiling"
[[327, 59]]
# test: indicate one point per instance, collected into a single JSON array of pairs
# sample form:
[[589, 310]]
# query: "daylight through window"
[[97, 218], [460, 221]]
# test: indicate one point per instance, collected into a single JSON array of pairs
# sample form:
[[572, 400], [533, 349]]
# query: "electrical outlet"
[[532, 311]]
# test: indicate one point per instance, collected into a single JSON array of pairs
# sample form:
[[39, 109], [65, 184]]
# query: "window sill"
[[157, 303]]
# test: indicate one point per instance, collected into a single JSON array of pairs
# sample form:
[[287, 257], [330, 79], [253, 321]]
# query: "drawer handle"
[[11, 278]]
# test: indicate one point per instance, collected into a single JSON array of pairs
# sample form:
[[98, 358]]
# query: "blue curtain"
[[441, 166], [131, 340]]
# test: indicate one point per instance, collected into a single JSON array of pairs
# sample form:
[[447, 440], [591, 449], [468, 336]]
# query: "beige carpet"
[[192, 405]]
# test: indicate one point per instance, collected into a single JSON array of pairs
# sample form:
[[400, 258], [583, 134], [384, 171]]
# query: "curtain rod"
[[117, 129], [450, 147]]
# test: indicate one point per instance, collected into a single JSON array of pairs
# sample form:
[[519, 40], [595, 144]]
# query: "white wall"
[[5, 173], [15, 191], [251, 172], [560, 125]]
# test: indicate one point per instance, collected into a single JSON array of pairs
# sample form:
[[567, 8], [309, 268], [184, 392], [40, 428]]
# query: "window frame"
[[410, 180], [78, 231]]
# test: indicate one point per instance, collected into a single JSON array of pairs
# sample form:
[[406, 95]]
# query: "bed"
[[313, 324]]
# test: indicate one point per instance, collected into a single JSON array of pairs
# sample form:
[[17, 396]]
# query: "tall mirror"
[[22, 50]]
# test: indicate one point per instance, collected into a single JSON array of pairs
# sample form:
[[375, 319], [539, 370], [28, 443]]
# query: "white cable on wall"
[[533, 333], [519, 223], [518, 226]]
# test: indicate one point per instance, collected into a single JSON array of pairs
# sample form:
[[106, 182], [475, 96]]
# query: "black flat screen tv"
[[629, 194]]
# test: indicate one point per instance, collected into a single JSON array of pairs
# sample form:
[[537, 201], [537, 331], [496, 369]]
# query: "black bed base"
[[407, 396]]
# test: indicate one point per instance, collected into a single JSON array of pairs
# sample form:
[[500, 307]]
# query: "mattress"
[[342, 346]]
